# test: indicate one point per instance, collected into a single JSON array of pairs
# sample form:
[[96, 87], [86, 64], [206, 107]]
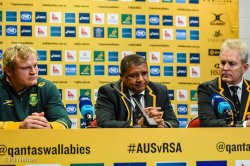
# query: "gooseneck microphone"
[[224, 97], [150, 122], [222, 107], [228, 100]]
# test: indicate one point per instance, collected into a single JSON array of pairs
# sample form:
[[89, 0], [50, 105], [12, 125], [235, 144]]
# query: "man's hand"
[[35, 121], [153, 112]]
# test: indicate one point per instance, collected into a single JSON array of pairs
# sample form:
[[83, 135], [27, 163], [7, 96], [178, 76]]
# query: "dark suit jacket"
[[207, 114], [113, 110]]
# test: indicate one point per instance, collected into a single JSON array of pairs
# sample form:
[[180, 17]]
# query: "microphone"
[[225, 99], [86, 109], [221, 105], [150, 122]]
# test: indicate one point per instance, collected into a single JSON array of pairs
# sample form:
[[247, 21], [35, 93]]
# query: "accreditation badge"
[[33, 99]]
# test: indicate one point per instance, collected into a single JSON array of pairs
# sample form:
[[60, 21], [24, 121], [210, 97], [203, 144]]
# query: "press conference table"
[[148, 146]]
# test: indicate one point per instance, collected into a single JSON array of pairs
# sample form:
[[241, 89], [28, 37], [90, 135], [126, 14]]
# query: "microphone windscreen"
[[86, 106], [216, 99]]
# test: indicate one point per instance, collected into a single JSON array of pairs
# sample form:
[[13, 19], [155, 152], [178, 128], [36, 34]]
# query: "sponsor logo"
[[85, 92], [140, 33], [213, 52], [98, 32], [211, 163], [180, 34], [113, 56], [193, 95], [216, 37], [26, 16], [181, 95], [71, 94], [154, 33], [98, 18], [154, 20], [55, 31], [168, 34], [140, 19], [84, 18], [70, 31], [41, 31], [168, 71], [194, 109], [216, 70], [171, 94], [11, 16], [26, 30], [168, 57], [183, 122], [194, 21], [55, 17], [127, 19], [181, 71], [154, 57], [180, 21], [113, 70], [71, 109], [55, 55], [42, 69], [180, 1], [99, 56], [41, 55], [182, 109], [70, 18], [194, 71], [99, 70], [181, 57], [155, 71], [171, 164], [84, 32], [1, 31], [85, 70], [195, 58], [167, 20], [113, 32], [1, 16], [41, 16], [11, 30], [84, 56], [194, 35], [113, 19], [70, 55], [70, 70], [217, 19], [126, 33], [56, 69], [194, 1], [130, 164], [168, 1]]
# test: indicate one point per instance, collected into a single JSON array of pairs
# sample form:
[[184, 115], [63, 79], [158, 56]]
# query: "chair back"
[[195, 122]]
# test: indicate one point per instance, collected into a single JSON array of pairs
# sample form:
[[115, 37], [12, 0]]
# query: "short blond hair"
[[17, 50], [238, 44]]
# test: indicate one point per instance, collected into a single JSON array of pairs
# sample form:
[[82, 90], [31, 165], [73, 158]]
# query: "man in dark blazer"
[[113, 110], [233, 64]]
